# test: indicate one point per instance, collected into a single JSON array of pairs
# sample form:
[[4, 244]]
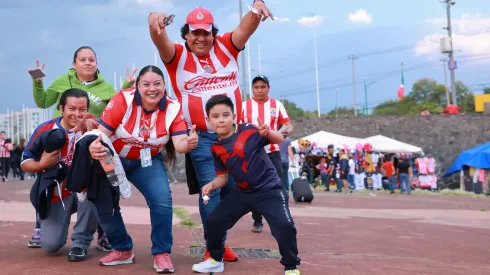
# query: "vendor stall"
[[474, 168]]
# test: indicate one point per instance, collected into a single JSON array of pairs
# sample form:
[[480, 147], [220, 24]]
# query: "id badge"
[[145, 156]]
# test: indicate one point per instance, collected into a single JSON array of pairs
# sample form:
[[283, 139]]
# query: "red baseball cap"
[[200, 19]]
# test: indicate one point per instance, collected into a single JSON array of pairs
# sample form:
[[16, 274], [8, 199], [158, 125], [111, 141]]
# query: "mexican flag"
[[401, 90]]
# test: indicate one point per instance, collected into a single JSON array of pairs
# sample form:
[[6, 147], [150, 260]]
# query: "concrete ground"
[[337, 234]]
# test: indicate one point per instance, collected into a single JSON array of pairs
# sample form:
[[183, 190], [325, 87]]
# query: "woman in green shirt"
[[84, 75]]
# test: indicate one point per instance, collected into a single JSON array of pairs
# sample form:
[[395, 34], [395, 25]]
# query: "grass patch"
[[189, 223], [461, 193], [182, 214]]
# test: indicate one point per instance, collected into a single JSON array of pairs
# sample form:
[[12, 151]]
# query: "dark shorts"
[[343, 176]]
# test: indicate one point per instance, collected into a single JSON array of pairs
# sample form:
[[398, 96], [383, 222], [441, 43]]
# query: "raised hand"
[[157, 22], [130, 76], [264, 129], [85, 124], [262, 10], [193, 139], [37, 67]]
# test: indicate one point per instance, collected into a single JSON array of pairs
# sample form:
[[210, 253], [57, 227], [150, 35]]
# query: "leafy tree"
[[343, 111], [428, 95], [486, 90], [293, 110]]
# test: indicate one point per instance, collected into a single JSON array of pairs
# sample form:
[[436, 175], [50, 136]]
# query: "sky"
[[382, 33]]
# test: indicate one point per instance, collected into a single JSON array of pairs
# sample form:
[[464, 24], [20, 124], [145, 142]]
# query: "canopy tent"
[[385, 145], [323, 139], [478, 157]]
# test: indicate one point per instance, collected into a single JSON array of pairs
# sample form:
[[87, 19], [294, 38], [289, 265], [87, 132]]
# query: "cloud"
[[471, 34], [313, 21], [361, 16], [282, 19]]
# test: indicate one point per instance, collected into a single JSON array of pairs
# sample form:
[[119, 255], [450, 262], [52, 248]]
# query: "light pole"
[[354, 58], [444, 64], [366, 85], [316, 74], [450, 3], [337, 102]]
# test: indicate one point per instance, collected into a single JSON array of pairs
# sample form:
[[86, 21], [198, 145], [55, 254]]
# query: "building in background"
[[22, 124]]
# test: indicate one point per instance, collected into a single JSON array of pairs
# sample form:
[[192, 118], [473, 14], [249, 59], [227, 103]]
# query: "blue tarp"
[[478, 157]]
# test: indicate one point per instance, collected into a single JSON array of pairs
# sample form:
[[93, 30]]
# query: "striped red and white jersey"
[[128, 119], [66, 154], [5, 149], [270, 112], [196, 79]]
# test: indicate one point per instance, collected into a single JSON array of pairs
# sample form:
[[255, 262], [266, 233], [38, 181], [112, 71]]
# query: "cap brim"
[[206, 27]]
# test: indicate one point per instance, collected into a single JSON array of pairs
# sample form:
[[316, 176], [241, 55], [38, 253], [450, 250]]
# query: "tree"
[[293, 110], [428, 95], [344, 111], [486, 90]]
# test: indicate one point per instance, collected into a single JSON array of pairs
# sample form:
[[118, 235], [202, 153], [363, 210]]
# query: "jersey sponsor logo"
[[201, 84], [136, 143]]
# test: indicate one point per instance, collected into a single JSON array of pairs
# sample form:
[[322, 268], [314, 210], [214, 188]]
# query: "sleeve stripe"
[[101, 122]]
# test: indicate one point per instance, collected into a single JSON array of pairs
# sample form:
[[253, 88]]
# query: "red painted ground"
[[328, 245]]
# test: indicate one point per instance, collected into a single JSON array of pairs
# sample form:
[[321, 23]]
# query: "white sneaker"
[[209, 266]]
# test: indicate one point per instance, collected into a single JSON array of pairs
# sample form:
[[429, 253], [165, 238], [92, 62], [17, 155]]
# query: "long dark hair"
[[169, 146]]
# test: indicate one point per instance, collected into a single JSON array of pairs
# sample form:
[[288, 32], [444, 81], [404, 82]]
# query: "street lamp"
[[366, 85]]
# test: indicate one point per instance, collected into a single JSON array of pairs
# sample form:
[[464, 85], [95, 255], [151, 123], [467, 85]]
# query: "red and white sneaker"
[[228, 256], [118, 258], [163, 264]]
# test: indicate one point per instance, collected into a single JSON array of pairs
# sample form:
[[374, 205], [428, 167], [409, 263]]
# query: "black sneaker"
[[103, 244], [257, 228], [77, 254]]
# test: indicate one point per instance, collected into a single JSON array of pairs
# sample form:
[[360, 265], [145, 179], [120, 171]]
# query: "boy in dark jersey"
[[240, 152]]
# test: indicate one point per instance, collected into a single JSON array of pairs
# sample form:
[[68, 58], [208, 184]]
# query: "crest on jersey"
[[273, 111], [200, 16], [208, 68], [109, 105]]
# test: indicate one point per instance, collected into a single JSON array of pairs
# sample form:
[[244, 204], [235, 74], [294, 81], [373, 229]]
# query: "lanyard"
[[147, 125]]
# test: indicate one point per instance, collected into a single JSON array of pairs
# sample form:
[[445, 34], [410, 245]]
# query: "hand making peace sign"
[[37, 67]]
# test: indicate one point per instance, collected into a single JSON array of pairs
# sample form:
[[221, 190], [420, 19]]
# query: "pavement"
[[337, 234]]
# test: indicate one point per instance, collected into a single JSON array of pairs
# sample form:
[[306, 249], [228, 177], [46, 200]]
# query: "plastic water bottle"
[[108, 166]]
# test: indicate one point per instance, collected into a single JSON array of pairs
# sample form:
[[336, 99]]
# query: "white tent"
[[323, 139], [388, 145]]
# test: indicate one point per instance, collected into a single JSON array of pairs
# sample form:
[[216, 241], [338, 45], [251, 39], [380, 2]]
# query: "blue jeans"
[[285, 179], [350, 179], [152, 182], [405, 183], [392, 183], [324, 177], [203, 162]]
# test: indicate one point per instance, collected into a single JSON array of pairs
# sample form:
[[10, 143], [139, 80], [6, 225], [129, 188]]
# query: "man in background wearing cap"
[[271, 112], [204, 66]]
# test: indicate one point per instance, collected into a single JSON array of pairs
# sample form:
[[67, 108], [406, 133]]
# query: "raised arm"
[[159, 36], [250, 22]]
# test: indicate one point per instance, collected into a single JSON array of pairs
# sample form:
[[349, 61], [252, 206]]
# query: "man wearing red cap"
[[204, 66]]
